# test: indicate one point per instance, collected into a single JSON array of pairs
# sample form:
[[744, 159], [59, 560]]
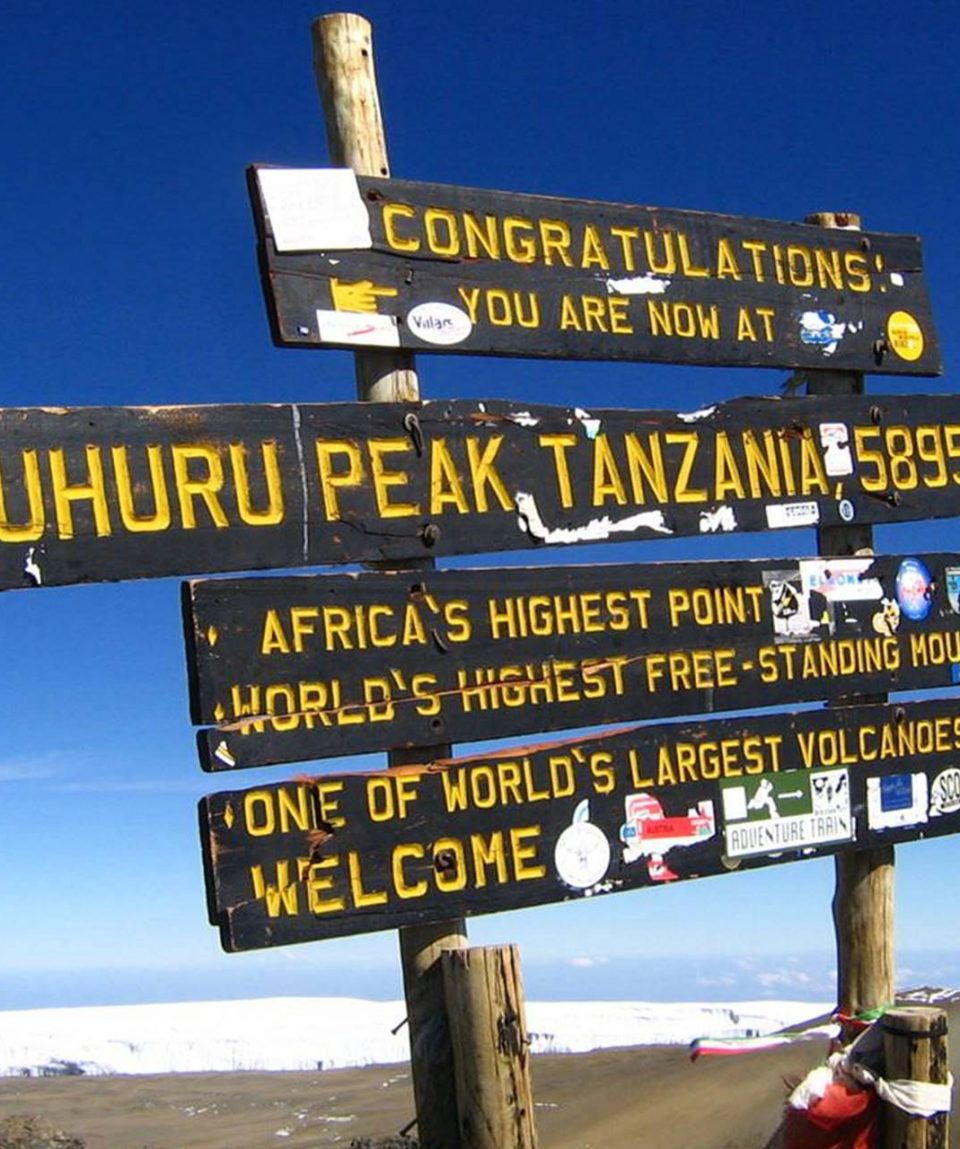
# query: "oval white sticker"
[[945, 792], [439, 323]]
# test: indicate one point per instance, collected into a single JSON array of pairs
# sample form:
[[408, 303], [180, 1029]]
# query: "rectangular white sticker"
[[315, 209], [835, 441], [896, 800], [795, 810], [781, 515], [360, 328], [840, 579]]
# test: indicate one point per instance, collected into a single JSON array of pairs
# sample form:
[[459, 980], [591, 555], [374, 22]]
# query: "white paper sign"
[[782, 515], [315, 209], [358, 328]]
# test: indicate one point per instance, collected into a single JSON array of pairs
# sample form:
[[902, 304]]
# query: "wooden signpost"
[[642, 807], [95, 494], [308, 667], [353, 261], [314, 666], [346, 79]]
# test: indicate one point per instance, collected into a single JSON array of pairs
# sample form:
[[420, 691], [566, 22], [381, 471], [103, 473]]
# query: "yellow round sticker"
[[904, 336]]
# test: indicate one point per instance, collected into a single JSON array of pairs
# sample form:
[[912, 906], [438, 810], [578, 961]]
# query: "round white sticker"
[[582, 855], [945, 792], [439, 323]]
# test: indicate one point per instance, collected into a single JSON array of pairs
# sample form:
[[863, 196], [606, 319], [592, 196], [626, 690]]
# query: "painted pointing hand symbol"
[[359, 296]]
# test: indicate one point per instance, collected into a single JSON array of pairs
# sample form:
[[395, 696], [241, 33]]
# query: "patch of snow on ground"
[[329, 1033]]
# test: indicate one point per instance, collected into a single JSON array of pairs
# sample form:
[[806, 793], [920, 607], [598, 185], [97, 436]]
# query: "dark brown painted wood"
[[639, 808], [102, 494], [313, 666], [558, 278]]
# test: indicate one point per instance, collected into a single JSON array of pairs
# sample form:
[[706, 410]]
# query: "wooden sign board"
[[352, 261], [313, 666], [639, 808], [100, 494]]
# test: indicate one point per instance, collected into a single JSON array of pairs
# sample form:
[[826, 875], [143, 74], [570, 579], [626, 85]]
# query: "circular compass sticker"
[[582, 852]]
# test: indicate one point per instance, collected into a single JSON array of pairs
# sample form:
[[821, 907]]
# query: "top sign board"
[[353, 261]]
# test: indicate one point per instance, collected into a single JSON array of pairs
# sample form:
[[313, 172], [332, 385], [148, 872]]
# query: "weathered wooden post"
[[485, 1005], [915, 1050], [346, 77], [863, 895]]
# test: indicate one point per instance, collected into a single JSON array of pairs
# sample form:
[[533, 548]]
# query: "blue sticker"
[[953, 588], [896, 792], [914, 589], [820, 329]]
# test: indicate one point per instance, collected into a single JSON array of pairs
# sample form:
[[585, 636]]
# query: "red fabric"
[[842, 1119]]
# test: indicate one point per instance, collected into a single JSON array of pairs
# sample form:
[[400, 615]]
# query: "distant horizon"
[[134, 282], [663, 979]]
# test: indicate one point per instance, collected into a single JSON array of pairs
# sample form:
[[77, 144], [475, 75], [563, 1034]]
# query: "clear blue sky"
[[130, 278]]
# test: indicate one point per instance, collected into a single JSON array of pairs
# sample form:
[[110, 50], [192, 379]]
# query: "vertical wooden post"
[[863, 897], [491, 1047], [346, 78], [915, 1049]]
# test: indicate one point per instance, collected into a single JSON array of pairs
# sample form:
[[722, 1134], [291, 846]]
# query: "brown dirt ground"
[[650, 1096]]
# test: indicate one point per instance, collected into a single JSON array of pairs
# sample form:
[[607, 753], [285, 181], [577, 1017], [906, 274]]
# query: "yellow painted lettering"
[[618, 307], [334, 477], [690, 441], [133, 521], [524, 852], [391, 213], [745, 328], [488, 852], [404, 888], [569, 315], [689, 268], [727, 266], [302, 619], [727, 478], [413, 628], [471, 300], [660, 264], [482, 241], [483, 473], [273, 638], [555, 241], [646, 466], [206, 487], [33, 528], [283, 897], [273, 512], [442, 233], [65, 494], [318, 883], [259, 819], [813, 475], [607, 482], [384, 480], [328, 805], [520, 247], [361, 897], [626, 235], [560, 444], [593, 254], [446, 487]]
